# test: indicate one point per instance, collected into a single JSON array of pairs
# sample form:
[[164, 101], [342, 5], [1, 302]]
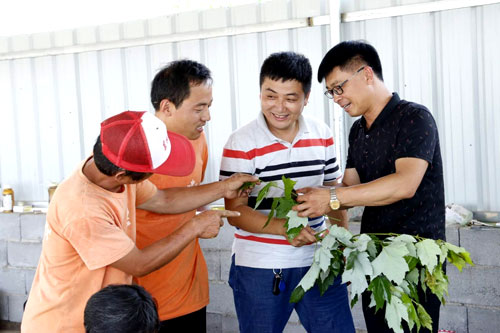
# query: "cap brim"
[[181, 160]]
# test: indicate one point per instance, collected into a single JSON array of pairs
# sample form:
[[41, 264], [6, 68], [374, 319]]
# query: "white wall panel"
[[52, 105]]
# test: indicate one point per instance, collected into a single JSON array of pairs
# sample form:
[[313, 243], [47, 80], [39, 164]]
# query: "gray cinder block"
[[30, 275], [24, 254], [213, 264], [16, 302], [4, 306], [221, 299], [452, 235], [3, 253], [10, 229], [230, 324], [453, 317], [484, 320], [32, 226], [483, 244], [474, 285], [225, 265], [12, 281], [214, 323]]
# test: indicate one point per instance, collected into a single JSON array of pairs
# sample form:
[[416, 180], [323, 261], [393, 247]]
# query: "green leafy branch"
[[391, 266], [282, 207]]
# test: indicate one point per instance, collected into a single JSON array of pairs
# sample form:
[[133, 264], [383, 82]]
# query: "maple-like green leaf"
[[411, 261], [329, 242], [295, 221], [323, 258], [326, 280], [458, 256], [395, 311], [297, 294], [437, 282], [404, 238], [412, 276], [381, 291], [428, 252], [361, 244], [289, 184], [341, 234], [310, 277], [423, 274], [412, 313], [263, 192], [357, 274], [354, 300], [391, 263], [271, 212], [444, 253], [424, 318], [284, 206], [293, 232]]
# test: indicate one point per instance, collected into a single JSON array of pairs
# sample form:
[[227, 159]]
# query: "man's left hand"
[[233, 184], [313, 201]]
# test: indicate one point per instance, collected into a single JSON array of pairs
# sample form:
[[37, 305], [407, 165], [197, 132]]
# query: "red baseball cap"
[[139, 141]]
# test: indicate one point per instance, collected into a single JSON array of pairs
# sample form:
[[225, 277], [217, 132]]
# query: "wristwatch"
[[334, 201]]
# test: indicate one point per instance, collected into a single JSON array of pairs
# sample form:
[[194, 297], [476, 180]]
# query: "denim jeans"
[[260, 311]]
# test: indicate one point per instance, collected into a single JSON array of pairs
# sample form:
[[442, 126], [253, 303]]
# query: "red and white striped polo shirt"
[[310, 160]]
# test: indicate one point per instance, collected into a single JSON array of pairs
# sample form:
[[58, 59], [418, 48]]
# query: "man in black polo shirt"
[[393, 166]]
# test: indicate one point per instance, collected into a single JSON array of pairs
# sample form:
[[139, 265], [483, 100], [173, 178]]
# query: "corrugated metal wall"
[[51, 106]]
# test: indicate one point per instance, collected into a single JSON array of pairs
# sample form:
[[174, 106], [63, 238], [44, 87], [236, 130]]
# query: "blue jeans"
[[259, 310]]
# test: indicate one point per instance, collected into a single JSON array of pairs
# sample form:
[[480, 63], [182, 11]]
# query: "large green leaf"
[[297, 294], [437, 282], [428, 252], [271, 212], [295, 221], [357, 274], [308, 280], [391, 262], [284, 206], [395, 311], [381, 290], [424, 318], [288, 183], [263, 192], [323, 258], [341, 234]]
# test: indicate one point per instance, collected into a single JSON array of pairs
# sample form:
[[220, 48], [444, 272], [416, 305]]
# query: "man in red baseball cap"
[[89, 239]]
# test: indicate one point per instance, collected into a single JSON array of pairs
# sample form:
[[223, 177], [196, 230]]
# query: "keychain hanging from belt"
[[278, 282]]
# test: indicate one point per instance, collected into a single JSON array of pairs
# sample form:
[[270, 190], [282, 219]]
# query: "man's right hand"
[[209, 222]]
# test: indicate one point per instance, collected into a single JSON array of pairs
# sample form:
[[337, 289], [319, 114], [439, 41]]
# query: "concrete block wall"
[[473, 303], [20, 247]]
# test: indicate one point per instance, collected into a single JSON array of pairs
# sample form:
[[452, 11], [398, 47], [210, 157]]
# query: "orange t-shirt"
[[181, 286], [87, 229]]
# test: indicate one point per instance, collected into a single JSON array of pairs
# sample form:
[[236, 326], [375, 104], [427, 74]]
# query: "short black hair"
[[121, 308], [350, 55], [287, 66], [173, 81], [105, 166]]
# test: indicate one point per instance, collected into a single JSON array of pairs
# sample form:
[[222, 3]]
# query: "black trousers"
[[375, 322], [195, 322]]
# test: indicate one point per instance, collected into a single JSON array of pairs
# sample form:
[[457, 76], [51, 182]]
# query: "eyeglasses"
[[337, 90]]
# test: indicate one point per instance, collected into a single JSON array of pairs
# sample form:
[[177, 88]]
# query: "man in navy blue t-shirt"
[[394, 165]]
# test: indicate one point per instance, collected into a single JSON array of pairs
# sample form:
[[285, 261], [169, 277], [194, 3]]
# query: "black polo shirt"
[[402, 129]]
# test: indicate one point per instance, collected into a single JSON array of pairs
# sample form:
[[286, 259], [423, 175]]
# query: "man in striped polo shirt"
[[281, 142]]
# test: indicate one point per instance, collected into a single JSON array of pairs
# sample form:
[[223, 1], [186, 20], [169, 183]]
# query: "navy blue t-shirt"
[[402, 129]]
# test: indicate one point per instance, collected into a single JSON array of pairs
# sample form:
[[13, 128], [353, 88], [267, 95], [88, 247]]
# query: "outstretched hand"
[[313, 201], [233, 186]]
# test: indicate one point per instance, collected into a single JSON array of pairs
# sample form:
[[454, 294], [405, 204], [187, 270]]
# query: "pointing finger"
[[228, 213]]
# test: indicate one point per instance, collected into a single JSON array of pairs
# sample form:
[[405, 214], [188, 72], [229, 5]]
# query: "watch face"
[[335, 204]]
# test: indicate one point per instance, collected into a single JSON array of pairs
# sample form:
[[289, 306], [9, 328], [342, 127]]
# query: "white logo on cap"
[[157, 139]]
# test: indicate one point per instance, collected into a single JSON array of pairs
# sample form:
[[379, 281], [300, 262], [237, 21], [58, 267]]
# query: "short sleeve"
[[417, 136], [332, 168], [98, 242], [144, 191]]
